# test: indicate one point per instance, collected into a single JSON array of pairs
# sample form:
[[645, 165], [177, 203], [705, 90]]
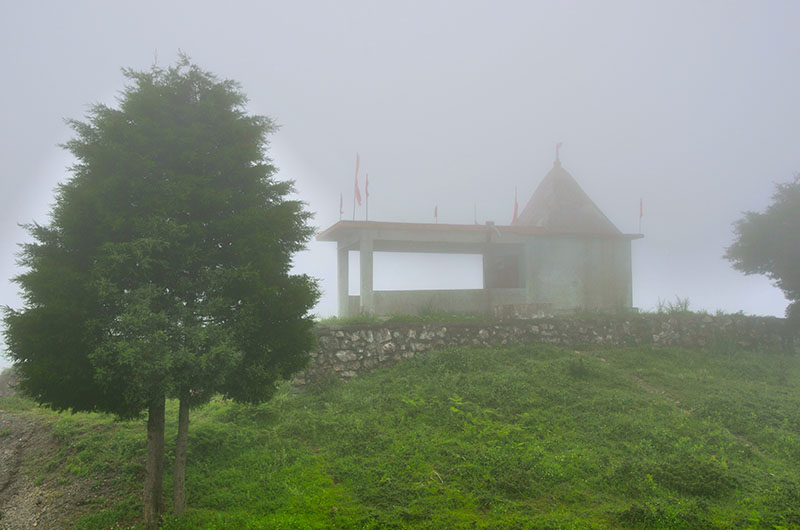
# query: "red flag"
[[356, 190], [516, 207]]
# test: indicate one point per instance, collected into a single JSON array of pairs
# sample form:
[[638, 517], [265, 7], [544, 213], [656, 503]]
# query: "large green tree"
[[165, 268], [768, 243]]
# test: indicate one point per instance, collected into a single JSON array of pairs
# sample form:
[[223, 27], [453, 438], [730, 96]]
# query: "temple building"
[[562, 255]]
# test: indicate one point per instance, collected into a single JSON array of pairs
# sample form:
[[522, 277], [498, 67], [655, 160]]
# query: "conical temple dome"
[[560, 205]]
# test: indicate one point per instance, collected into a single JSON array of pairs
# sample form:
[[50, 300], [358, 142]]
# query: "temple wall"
[[607, 275], [537, 276], [554, 272], [416, 302], [578, 274], [494, 302]]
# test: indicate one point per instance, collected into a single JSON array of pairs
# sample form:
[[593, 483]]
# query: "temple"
[[562, 255]]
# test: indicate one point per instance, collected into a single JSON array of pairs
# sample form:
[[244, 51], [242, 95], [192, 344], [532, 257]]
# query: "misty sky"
[[690, 106]]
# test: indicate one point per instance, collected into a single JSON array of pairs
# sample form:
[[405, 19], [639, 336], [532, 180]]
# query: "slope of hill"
[[526, 437]]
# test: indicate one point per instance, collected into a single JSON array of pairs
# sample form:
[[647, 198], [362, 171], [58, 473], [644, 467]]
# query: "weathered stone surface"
[[346, 356], [326, 342]]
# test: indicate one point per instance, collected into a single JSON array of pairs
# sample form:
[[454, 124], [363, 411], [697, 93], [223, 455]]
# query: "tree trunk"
[[154, 469], [179, 471]]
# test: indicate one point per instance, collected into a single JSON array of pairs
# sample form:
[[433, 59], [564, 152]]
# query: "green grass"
[[528, 437]]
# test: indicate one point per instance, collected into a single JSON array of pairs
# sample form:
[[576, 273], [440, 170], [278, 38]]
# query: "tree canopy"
[[165, 268], [768, 243]]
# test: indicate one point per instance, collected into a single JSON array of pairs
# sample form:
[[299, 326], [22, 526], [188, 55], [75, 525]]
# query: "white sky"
[[691, 106]]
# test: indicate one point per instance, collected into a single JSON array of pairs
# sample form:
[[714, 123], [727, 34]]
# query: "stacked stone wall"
[[346, 351]]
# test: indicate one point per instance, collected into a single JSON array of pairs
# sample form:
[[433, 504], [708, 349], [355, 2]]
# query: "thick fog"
[[691, 107]]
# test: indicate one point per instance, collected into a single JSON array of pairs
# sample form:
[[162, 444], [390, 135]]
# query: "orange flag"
[[516, 207]]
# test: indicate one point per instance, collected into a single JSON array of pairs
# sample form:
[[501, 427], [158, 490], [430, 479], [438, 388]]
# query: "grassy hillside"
[[529, 437]]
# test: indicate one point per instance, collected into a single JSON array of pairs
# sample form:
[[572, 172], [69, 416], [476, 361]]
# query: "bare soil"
[[30, 497]]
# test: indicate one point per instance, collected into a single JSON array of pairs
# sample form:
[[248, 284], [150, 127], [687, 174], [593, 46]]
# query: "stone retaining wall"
[[346, 351]]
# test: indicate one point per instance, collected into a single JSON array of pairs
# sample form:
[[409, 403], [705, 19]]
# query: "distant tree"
[[164, 271], [768, 243]]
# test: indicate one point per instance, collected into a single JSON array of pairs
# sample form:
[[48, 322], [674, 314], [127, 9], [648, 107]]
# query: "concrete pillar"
[[487, 291], [343, 281], [625, 265], [485, 256], [365, 253]]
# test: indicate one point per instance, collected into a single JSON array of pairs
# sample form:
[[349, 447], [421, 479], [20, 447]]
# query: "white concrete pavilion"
[[562, 255]]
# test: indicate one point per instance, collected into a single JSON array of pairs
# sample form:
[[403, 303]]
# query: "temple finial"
[[558, 160]]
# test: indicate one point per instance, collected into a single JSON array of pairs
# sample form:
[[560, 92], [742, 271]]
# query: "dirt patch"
[[28, 501]]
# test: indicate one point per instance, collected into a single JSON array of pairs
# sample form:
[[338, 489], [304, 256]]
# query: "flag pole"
[[355, 187], [366, 192], [640, 215]]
